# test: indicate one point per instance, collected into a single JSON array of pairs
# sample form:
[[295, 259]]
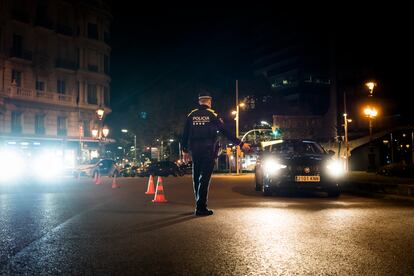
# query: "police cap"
[[204, 95]]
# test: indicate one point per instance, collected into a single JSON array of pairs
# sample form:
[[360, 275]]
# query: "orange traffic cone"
[[114, 185], [151, 188], [98, 179], [159, 192]]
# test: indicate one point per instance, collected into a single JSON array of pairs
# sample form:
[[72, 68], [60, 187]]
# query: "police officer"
[[200, 138]]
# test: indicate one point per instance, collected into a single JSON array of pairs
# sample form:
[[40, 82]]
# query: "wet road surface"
[[76, 227]]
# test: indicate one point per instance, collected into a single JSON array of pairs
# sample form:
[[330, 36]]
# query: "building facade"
[[296, 56], [54, 71]]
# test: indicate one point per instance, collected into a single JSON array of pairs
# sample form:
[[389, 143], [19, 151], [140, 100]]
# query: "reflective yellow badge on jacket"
[[212, 111], [192, 111]]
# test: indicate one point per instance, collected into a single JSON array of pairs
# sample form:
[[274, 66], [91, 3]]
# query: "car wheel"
[[267, 191], [258, 187]]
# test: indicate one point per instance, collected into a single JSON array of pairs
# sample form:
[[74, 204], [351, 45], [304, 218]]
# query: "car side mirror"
[[331, 152]]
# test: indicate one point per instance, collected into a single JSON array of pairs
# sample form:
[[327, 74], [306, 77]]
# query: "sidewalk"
[[371, 183]]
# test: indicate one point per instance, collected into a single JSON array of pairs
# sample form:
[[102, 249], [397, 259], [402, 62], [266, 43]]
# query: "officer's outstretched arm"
[[223, 129]]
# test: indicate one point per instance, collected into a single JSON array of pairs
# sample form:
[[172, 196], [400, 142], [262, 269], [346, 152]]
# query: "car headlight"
[[271, 166], [10, 165], [47, 166], [335, 168]]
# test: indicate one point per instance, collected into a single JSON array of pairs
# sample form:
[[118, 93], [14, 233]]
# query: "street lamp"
[[105, 131], [100, 113], [371, 113], [371, 86], [100, 134]]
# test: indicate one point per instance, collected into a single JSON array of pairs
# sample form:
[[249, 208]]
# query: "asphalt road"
[[76, 227]]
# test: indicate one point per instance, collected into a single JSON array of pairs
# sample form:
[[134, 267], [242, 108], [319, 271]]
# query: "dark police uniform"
[[200, 138]]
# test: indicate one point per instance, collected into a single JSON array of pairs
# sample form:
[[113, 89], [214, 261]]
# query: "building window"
[[93, 31], [17, 43], [16, 78], [61, 126], [42, 15], [107, 37], [40, 124], [16, 122], [106, 64], [86, 128], [93, 60], [40, 85], [92, 95], [78, 92], [107, 96], [61, 87]]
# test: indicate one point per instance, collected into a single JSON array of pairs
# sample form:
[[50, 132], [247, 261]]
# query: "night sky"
[[212, 47]]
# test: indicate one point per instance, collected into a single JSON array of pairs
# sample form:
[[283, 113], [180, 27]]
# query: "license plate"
[[307, 178]]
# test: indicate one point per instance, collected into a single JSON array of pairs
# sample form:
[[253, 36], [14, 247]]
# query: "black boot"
[[203, 212]]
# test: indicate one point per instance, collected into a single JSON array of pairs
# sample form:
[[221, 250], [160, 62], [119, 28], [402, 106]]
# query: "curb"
[[380, 196], [401, 192]]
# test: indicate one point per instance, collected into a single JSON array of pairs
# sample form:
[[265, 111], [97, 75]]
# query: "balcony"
[[21, 16], [39, 96], [44, 22], [65, 98], [65, 30], [21, 54], [66, 64], [107, 38]]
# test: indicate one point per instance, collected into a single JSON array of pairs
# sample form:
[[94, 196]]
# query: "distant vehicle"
[[186, 168], [297, 165], [106, 167], [129, 171], [162, 168]]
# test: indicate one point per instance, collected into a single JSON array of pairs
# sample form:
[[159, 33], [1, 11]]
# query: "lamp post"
[[346, 121], [371, 113], [237, 118], [135, 142], [100, 132]]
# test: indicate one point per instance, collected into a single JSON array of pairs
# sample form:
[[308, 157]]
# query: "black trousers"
[[202, 170]]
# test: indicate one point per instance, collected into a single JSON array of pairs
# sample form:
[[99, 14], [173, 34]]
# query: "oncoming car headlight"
[[335, 168], [10, 165], [47, 166], [271, 166]]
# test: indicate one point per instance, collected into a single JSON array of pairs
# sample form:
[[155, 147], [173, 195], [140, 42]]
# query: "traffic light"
[[228, 151], [276, 131]]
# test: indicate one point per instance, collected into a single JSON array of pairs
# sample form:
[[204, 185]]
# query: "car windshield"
[[297, 147]]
